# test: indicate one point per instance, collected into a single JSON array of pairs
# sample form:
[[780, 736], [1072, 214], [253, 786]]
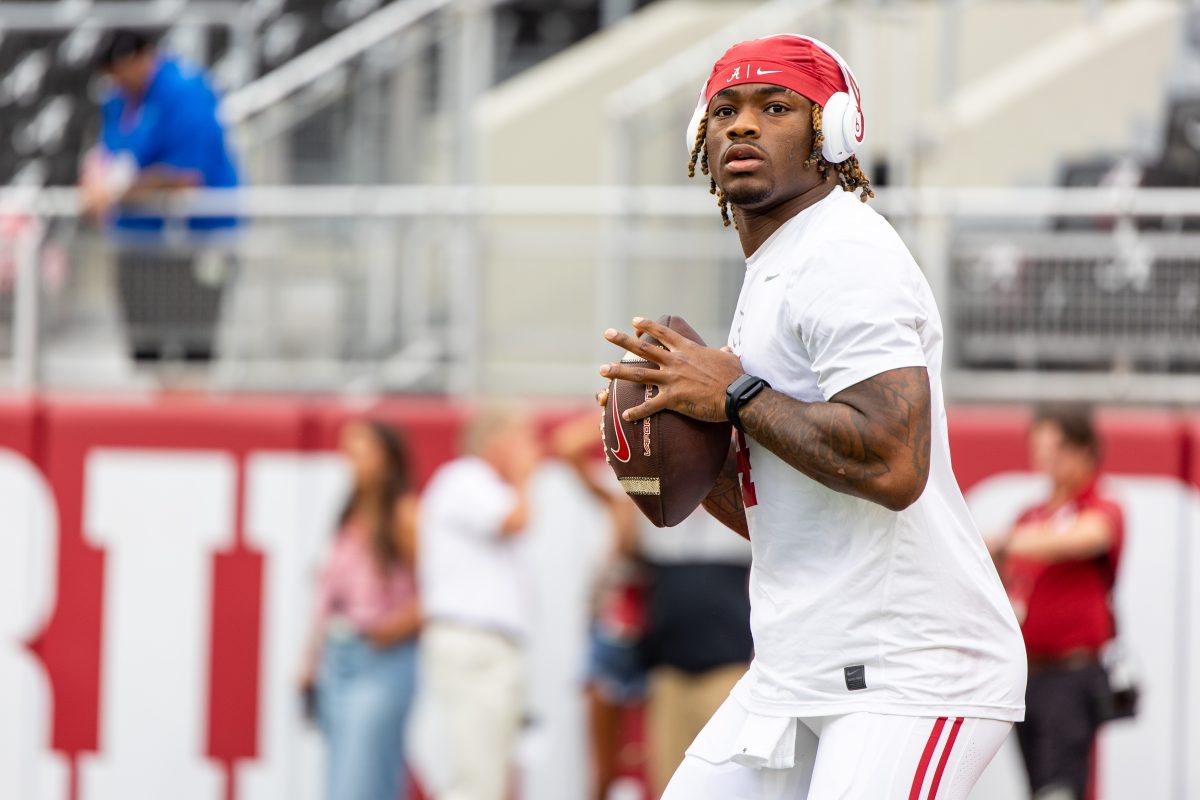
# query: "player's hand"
[[691, 379]]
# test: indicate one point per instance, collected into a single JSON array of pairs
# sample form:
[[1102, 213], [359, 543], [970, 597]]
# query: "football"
[[666, 462]]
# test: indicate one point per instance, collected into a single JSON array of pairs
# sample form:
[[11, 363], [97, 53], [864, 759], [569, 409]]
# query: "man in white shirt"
[[888, 663], [472, 594]]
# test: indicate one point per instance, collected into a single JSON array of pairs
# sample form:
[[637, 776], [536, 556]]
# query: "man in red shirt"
[[1059, 563]]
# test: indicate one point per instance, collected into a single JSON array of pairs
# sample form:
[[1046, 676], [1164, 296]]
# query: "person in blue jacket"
[[161, 134]]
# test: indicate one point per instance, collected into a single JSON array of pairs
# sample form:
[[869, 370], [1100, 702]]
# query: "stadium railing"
[[504, 289]]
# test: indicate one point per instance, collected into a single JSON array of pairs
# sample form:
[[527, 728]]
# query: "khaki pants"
[[475, 679], [679, 705]]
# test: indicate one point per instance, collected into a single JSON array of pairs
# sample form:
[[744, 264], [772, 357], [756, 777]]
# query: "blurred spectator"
[[472, 591], [617, 676], [1059, 563], [160, 134], [363, 663], [697, 643], [616, 679]]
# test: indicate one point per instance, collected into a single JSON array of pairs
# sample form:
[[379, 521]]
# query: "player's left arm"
[[870, 440], [1091, 534]]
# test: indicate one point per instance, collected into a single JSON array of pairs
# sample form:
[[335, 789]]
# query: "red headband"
[[788, 61]]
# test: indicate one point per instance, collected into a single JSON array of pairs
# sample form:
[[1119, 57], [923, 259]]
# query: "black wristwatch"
[[740, 392]]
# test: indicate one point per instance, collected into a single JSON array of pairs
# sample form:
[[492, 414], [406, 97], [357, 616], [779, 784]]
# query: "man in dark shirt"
[[697, 642]]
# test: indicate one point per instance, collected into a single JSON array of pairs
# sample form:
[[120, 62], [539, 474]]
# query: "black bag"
[[1123, 689], [1123, 686]]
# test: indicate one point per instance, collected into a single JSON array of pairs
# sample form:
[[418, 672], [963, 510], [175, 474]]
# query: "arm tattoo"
[[724, 501], [871, 440]]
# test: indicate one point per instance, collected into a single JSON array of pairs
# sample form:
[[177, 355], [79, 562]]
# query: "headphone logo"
[[852, 85]]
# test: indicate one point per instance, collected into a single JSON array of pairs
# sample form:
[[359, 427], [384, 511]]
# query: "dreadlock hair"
[[700, 155], [850, 175]]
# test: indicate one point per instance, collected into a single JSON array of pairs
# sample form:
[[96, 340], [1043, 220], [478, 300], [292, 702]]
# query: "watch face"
[[740, 392]]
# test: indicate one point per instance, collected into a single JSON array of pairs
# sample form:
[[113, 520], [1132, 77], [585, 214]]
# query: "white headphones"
[[842, 122]]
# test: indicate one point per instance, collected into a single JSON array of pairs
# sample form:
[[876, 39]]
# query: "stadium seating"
[[48, 93], [1109, 294]]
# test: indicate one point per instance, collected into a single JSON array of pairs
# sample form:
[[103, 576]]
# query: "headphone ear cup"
[[838, 119], [694, 125]]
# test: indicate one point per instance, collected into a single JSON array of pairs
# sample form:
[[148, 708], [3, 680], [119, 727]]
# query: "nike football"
[[666, 462]]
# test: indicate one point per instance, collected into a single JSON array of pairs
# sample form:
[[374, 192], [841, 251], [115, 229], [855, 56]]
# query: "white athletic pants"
[[854, 757]]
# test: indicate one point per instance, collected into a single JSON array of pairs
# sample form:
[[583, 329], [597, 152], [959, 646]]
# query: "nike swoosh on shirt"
[[772, 277], [767, 71]]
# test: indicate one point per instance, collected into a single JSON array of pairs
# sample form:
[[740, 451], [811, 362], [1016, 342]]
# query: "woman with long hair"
[[362, 664]]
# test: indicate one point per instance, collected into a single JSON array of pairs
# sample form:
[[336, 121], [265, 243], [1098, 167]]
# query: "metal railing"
[[1045, 293], [351, 108]]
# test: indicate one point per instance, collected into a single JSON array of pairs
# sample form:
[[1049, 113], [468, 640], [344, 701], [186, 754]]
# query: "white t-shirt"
[[469, 572], [855, 607]]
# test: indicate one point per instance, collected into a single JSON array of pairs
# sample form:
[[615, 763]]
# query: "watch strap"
[[744, 389]]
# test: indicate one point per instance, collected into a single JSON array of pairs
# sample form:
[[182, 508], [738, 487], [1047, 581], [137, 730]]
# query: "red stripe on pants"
[[919, 777], [941, 767]]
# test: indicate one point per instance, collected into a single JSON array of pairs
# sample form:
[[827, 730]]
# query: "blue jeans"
[[364, 695]]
